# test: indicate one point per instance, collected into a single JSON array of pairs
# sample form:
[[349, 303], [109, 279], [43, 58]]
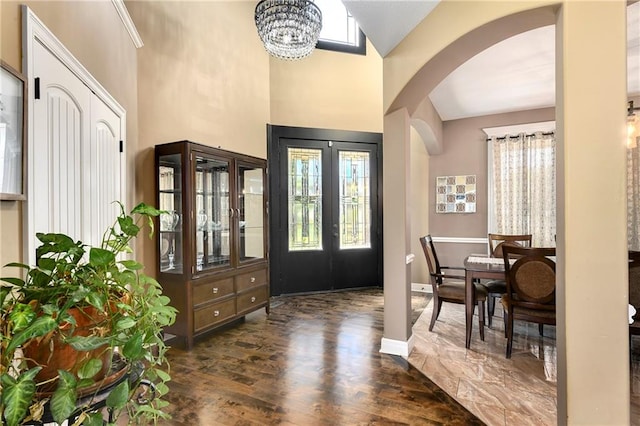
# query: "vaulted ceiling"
[[516, 74]]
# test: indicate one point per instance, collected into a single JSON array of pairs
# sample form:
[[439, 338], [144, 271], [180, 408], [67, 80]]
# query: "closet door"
[[102, 168], [75, 166], [60, 130]]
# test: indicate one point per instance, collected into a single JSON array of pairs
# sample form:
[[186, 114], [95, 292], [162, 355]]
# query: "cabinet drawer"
[[251, 279], [254, 297], [213, 314], [208, 291]]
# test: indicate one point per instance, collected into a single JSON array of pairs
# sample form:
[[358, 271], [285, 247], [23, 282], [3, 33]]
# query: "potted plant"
[[100, 312]]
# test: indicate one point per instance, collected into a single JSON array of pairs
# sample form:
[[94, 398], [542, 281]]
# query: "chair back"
[[531, 279], [432, 259], [498, 241]]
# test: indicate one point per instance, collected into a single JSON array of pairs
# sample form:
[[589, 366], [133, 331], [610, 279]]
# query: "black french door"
[[325, 210]]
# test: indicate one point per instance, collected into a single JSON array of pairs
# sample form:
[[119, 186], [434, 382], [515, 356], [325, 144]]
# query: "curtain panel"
[[524, 176]]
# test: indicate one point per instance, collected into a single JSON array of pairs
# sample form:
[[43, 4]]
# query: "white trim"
[[34, 31], [516, 129], [461, 240], [121, 8], [397, 347]]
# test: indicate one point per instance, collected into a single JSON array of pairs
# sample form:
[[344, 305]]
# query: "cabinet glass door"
[[170, 200], [212, 212], [250, 212]]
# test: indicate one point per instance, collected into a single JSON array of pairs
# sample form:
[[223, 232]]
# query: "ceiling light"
[[289, 29]]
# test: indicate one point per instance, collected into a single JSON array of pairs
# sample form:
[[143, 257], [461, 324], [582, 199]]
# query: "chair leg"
[[437, 304], [481, 318], [505, 318], [541, 329], [491, 307], [509, 329]]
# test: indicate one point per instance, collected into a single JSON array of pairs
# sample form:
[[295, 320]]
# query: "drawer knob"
[[215, 290], [253, 299], [216, 313], [253, 279]]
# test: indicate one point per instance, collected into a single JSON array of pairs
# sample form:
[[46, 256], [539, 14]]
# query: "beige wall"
[[328, 90], [465, 153], [419, 195], [94, 34], [203, 76]]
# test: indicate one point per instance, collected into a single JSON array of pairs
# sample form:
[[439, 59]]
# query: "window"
[[522, 186], [340, 31]]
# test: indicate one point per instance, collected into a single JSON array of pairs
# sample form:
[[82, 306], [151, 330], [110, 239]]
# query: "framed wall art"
[[13, 95], [456, 194]]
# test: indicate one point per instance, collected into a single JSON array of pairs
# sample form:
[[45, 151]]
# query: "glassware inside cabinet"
[[170, 222], [213, 245], [251, 212]]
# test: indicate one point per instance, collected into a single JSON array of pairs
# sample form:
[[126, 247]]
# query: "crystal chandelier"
[[289, 29]]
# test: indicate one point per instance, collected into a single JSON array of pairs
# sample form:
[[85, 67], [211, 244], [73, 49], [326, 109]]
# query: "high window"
[[340, 31]]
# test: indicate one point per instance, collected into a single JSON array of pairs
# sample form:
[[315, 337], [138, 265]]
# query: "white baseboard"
[[421, 288], [397, 347]]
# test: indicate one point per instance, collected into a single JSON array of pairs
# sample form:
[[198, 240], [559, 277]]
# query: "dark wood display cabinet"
[[212, 240]]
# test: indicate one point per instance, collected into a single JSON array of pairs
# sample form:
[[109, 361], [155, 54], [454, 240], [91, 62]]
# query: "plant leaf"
[[14, 281], [146, 210], [125, 323], [132, 264], [133, 348], [22, 315], [90, 368], [17, 395], [63, 401], [41, 326], [119, 396], [93, 419], [86, 343], [101, 257]]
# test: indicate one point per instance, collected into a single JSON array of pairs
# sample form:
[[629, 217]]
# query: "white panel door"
[[75, 165], [60, 129], [102, 171]]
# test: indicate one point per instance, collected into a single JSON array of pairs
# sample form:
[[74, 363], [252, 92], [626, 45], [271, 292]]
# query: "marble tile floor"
[[499, 391]]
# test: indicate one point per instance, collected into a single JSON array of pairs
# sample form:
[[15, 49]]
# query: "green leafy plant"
[[71, 284]]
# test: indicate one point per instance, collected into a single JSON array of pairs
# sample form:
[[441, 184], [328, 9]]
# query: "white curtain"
[[524, 178]]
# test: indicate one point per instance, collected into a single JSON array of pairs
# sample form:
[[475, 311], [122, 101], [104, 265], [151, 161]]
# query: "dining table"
[[478, 266]]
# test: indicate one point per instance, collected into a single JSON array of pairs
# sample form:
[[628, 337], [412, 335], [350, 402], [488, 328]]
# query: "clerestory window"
[[340, 31]]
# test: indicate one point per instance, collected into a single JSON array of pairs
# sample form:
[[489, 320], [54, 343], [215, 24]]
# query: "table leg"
[[469, 304]]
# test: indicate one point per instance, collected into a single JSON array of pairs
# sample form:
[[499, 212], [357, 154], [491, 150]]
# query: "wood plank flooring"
[[313, 361]]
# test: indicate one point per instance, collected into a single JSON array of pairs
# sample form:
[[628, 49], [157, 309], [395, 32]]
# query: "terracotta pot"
[[52, 354]]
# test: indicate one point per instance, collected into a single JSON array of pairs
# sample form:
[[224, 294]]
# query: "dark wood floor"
[[313, 361]]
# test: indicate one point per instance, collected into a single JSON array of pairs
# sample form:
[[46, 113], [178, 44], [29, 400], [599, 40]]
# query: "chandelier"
[[289, 29]]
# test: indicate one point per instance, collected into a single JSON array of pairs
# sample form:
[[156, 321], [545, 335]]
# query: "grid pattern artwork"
[[456, 194]]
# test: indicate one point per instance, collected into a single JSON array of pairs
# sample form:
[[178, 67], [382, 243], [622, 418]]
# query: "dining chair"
[[634, 290], [531, 287], [449, 286], [496, 288]]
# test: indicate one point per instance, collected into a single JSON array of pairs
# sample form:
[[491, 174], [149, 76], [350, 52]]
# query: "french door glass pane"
[[212, 213], [355, 201], [305, 199]]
